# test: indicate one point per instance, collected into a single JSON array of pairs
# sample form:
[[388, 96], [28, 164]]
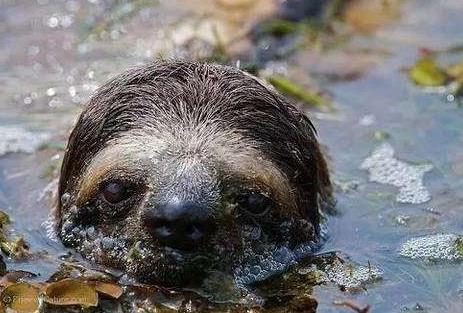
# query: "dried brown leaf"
[[21, 297], [71, 292]]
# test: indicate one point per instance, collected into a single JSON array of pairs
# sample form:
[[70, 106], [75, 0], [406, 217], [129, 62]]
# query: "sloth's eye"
[[116, 191], [255, 203]]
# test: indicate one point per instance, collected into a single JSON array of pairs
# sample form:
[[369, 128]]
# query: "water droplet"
[[51, 92], [65, 198], [52, 21], [72, 91], [27, 100]]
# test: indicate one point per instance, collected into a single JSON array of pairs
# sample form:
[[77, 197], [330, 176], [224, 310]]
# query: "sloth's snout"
[[179, 224]]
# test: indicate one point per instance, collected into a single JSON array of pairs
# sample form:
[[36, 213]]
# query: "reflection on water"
[[54, 54]]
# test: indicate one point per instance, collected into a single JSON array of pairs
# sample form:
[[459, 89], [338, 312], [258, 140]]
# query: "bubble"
[[107, 243], [450, 98], [27, 100], [440, 247], [67, 226], [65, 198], [92, 233], [52, 21], [72, 91], [402, 219], [51, 92], [273, 260], [386, 169]]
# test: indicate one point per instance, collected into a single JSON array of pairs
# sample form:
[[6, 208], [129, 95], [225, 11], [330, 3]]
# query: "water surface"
[[55, 53]]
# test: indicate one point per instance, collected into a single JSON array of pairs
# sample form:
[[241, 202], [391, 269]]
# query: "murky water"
[[396, 150]]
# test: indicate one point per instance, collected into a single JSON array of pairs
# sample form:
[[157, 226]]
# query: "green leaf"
[[279, 27], [290, 88], [426, 73]]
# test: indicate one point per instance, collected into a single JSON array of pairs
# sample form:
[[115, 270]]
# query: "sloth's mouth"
[[248, 254]]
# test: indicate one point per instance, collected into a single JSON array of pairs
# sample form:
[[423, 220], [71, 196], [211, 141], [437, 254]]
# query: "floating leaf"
[[455, 70], [279, 27], [289, 88], [108, 289], [426, 72], [71, 292], [381, 135], [235, 4], [367, 16], [458, 90], [21, 297]]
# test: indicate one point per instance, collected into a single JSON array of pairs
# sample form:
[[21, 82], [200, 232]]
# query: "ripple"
[[16, 139]]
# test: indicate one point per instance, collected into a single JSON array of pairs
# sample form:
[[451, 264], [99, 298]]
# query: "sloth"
[[177, 169]]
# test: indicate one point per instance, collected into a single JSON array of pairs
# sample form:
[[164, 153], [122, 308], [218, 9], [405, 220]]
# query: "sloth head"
[[175, 169]]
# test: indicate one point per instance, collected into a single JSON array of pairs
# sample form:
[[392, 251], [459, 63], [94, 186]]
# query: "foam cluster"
[[384, 168], [352, 276], [441, 247]]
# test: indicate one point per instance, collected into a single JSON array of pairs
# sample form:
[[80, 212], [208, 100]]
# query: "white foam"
[[16, 139], [386, 169], [441, 247], [349, 275]]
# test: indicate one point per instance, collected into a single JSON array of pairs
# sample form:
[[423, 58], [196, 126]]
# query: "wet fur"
[[199, 108]]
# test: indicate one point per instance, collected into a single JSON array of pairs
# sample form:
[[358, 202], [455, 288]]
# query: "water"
[[55, 53]]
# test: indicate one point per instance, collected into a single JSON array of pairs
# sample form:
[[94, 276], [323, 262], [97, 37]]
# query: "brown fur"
[[213, 124]]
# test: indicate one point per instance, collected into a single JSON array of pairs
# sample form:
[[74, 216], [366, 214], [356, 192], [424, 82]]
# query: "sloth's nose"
[[180, 225]]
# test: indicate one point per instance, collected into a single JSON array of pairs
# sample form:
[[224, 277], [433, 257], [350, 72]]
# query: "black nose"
[[180, 225]]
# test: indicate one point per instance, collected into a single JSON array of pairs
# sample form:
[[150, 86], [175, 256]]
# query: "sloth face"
[[178, 169]]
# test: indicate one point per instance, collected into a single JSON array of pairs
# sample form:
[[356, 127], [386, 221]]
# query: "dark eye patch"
[[254, 203]]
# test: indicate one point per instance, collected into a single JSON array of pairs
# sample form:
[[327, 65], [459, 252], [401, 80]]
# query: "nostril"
[[163, 231], [195, 232]]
